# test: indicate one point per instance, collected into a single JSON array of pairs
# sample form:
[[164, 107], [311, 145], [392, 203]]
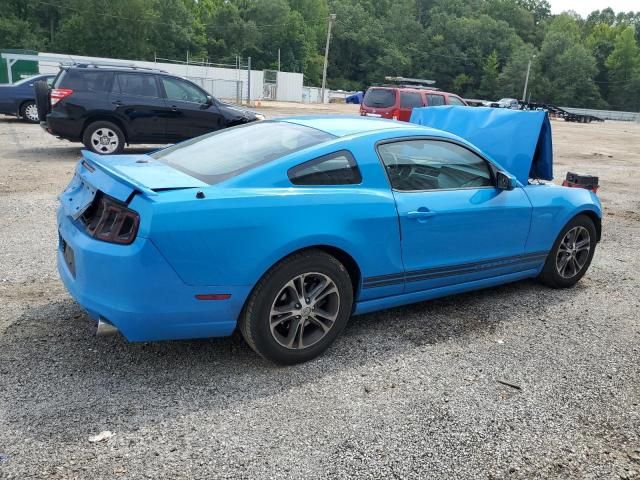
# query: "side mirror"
[[505, 181], [209, 101]]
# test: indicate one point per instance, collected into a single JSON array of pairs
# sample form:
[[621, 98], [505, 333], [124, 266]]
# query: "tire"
[[42, 99], [566, 264], [29, 112], [287, 328], [104, 138]]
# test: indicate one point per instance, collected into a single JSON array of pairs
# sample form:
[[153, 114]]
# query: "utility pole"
[[526, 81], [278, 59], [248, 80], [332, 17]]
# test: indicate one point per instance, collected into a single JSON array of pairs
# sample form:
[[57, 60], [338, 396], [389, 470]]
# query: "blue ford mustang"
[[286, 228]]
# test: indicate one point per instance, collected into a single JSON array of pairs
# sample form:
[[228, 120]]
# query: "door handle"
[[421, 214], [117, 102], [174, 108]]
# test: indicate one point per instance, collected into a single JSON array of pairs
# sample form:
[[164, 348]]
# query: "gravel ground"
[[416, 392]]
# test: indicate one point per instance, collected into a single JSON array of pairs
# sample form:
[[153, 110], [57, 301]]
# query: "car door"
[[136, 99], [456, 226], [409, 101], [190, 112]]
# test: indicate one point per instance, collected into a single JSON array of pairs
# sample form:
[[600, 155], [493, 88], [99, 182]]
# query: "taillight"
[[58, 94], [395, 114], [111, 221]]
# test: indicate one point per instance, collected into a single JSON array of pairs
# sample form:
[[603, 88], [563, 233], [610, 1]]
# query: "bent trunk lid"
[[120, 176]]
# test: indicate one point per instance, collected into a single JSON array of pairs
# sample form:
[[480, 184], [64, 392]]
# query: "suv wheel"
[[29, 112], [104, 138], [298, 308]]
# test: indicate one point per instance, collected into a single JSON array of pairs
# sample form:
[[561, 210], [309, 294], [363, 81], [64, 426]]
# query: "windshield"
[[380, 98], [221, 155]]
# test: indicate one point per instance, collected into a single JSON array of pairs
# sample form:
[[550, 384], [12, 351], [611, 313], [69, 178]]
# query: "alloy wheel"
[[304, 310], [104, 140], [31, 112], [573, 252]]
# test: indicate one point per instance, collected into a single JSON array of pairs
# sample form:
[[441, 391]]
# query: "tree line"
[[476, 48]]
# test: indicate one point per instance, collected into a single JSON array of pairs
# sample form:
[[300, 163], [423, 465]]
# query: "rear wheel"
[[29, 112], [571, 254], [298, 308], [103, 137]]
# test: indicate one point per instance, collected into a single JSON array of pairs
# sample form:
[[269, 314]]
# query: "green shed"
[[20, 69]]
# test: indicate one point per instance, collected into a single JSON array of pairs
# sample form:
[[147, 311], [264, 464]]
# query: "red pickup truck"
[[398, 102]]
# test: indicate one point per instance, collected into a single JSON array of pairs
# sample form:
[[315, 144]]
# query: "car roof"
[[345, 125]]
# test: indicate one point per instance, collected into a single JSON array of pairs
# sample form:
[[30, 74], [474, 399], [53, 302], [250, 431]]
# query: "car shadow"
[[50, 361]]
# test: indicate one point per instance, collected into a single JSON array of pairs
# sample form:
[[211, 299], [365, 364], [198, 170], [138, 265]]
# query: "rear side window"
[[137, 84], [435, 100], [338, 168], [380, 98], [84, 81], [455, 101], [224, 154], [410, 100]]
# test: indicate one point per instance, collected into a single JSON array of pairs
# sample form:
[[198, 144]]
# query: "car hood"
[[519, 141]]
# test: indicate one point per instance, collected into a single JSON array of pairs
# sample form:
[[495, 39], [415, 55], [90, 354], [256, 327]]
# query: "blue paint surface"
[[225, 242]]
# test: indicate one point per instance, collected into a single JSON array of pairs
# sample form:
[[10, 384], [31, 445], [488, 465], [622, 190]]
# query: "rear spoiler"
[[102, 162]]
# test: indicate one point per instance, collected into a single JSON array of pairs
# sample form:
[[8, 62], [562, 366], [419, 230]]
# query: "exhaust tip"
[[106, 329]]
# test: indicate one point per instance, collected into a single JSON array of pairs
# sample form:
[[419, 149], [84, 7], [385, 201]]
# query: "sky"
[[585, 7]]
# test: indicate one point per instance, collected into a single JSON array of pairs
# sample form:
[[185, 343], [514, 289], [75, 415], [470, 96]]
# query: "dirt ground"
[[411, 392]]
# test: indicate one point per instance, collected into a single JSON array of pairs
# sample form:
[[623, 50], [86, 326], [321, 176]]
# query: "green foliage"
[[478, 48], [490, 73], [624, 71]]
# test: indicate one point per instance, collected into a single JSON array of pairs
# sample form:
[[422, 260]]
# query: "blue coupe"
[[284, 229], [19, 99]]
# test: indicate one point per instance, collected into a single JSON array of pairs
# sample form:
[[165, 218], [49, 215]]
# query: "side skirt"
[[413, 297]]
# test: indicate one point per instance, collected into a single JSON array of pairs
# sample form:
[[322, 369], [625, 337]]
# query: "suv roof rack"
[[415, 87], [132, 66], [410, 81]]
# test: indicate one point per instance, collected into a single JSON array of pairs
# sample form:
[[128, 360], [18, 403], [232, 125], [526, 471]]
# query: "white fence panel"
[[289, 87]]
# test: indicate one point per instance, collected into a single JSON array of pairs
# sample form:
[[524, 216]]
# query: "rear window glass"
[[221, 155], [380, 98], [338, 168], [84, 81], [138, 84], [410, 100]]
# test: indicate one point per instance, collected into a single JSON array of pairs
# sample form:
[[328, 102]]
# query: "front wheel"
[[298, 308], [103, 137], [29, 112], [571, 254]]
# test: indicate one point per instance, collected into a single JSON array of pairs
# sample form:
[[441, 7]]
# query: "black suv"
[[105, 107]]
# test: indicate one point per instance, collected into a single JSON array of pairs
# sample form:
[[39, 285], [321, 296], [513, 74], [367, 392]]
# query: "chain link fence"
[[224, 89]]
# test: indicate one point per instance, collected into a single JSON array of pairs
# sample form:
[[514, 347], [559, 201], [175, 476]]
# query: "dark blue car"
[[19, 99]]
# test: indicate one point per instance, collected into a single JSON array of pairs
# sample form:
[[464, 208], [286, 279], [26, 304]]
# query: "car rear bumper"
[[63, 127], [136, 290]]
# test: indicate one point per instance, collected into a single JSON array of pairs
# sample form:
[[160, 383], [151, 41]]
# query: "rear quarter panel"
[[553, 208], [242, 228], [234, 240]]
